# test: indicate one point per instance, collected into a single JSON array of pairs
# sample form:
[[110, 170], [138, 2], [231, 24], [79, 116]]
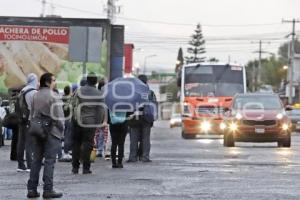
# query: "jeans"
[[100, 142], [83, 139], [137, 133], [24, 145], [43, 149], [67, 136], [7, 133]]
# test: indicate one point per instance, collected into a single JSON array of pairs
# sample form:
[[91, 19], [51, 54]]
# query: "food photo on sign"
[[39, 49]]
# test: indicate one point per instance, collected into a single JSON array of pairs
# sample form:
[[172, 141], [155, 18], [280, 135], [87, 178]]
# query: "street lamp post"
[[145, 61]]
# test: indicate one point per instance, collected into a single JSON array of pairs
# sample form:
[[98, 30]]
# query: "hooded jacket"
[[89, 106], [32, 81]]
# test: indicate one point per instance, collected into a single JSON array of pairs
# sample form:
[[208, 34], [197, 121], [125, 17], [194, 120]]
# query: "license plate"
[[260, 130]]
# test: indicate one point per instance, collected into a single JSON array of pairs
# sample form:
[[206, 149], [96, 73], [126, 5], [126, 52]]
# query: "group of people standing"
[[77, 117]]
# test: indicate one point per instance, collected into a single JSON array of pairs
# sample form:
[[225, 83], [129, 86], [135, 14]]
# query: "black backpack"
[[21, 107]]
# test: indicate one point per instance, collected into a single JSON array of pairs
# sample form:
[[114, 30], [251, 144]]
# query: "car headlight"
[[223, 126], [279, 116], [205, 126], [233, 126], [285, 127], [238, 116]]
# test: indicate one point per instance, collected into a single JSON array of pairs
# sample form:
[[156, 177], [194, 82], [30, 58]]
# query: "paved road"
[[181, 169]]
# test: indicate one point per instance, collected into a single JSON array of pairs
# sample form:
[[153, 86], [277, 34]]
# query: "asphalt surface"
[[181, 169]]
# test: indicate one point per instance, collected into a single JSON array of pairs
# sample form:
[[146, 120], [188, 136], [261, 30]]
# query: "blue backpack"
[[117, 117]]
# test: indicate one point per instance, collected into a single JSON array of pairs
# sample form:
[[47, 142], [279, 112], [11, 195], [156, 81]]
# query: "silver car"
[[175, 120], [294, 116]]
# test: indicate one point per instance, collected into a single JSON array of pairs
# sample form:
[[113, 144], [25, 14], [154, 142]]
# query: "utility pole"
[[260, 52], [52, 8], [291, 57], [43, 8], [112, 9]]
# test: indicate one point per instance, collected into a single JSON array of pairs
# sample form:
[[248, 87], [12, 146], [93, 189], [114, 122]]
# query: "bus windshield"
[[213, 80]]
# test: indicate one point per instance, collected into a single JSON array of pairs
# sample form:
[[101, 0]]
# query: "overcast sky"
[[160, 27]]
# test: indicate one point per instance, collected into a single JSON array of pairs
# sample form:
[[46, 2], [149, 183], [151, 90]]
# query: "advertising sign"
[[38, 49]]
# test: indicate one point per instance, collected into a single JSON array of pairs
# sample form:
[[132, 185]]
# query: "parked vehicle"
[[175, 120], [257, 118], [294, 116]]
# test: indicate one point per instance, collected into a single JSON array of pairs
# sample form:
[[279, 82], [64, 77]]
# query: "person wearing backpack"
[[89, 114], [66, 98], [23, 108], [140, 132]]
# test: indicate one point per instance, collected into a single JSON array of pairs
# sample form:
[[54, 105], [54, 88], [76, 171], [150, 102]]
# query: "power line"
[[72, 8], [187, 24], [43, 8], [161, 22]]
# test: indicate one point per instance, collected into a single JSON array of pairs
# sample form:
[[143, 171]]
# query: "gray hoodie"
[[32, 81]]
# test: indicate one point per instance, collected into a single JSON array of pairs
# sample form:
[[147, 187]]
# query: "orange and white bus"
[[207, 90]]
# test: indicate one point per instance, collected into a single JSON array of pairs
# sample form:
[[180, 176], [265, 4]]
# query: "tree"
[[179, 61], [283, 50], [197, 47], [251, 69], [171, 90], [272, 73]]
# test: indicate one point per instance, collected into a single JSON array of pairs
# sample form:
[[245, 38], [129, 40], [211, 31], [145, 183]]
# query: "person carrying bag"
[[40, 127], [46, 128]]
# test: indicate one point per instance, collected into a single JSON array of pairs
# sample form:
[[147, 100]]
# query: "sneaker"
[[67, 156], [23, 169], [107, 157], [52, 194], [33, 194]]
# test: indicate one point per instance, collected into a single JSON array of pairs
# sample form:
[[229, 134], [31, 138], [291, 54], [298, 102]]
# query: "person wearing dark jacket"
[[89, 114], [66, 157], [118, 131], [46, 103], [15, 128], [140, 133]]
